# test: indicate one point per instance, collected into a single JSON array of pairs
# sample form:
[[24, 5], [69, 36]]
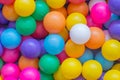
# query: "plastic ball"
[[40, 31], [112, 75], [1, 63], [62, 10], [9, 12], [10, 69], [107, 35], [54, 44], [54, 22], [100, 15], [76, 1], [75, 18], [7, 2], [97, 38], [12, 40], [62, 56], [56, 3], [26, 25], [71, 68], [30, 48], [114, 6], [58, 75], [111, 49], [41, 10], [23, 62], [80, 29], [74, 50], [116, 66], [49, 64], [81, 8], [106, 64], [10, 78], [30, 74], [1, 50], [114, 29], [94, 67], [24, 7], [45, 76], [87, 55], [10, 55], [2, 19]]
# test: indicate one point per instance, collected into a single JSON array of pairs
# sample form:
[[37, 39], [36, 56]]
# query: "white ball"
[[80, 33]]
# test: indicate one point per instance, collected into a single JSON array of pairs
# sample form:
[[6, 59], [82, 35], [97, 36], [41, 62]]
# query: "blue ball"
[[106, 65], [10, 38], [54, 44], [88, 55]]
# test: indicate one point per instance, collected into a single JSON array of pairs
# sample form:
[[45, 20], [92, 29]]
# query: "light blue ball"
[[54, 44], [88, 55], [106, 65], [10, 38]]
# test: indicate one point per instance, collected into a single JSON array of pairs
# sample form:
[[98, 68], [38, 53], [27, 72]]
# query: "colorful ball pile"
[[59, 40]]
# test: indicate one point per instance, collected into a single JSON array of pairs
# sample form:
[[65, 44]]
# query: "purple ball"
[[114, 29], [80, 78], [30, 48], [1, 50], [43, 51], [1, 29], [12, 24], [2, 19], [101, 78]]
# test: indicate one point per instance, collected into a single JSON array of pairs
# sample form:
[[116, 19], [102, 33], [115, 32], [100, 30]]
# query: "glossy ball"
[[80, 29], [10, 78], [25, 25], [49, 64], [54, 22], [116, 66], [111, 49], [24, 7], [45, 76], [71, 68], [30, 48], [30, 74], [12, 40], [54, 44]]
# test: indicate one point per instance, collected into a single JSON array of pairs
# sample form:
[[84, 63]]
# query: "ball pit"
[[59, 40]]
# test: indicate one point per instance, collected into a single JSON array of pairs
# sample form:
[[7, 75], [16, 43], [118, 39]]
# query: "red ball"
[[7, 1], [76, 1], [40, 31]]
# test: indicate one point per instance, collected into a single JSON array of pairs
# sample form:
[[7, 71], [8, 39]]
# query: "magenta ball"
[[62, 56], [11, 70], [100, 13], [10, 55], [10, 78], [30, 74]]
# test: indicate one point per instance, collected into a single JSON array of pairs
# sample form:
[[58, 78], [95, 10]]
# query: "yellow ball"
[[111, 50], [58, 75], [75, 18], [116, 66], [24, 7], [55, 4], [71, 68], [92, 70], [112, 75]]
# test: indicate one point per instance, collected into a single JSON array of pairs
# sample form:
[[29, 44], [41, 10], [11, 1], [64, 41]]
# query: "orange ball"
[[62, 10], [81, 8], [26, 62], [74, 50], [54, 22], [9, 12], [97, 38]]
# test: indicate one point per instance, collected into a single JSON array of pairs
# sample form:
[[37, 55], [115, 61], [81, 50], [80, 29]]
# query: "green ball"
[[49, 63], [1, 63], [41, 10], [45, 76], [26, 25]]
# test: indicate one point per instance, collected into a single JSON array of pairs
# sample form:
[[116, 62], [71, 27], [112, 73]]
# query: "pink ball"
[[10, 78], [10, 55], [100, 13], [76, 1], [90, 22], [11, 70], [30, 74], [62, 56]]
